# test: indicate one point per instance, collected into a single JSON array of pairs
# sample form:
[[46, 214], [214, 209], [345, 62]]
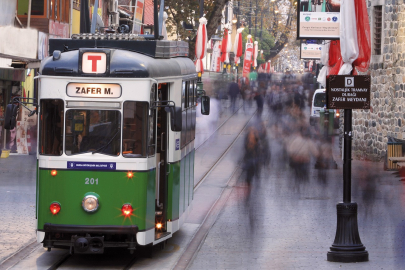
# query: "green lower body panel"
[[113, 189], [174, 191]]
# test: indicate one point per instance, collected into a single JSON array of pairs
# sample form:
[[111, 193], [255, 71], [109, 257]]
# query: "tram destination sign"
[[348, 92], [93, 90]]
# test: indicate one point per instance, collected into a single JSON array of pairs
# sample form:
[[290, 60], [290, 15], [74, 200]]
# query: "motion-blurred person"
[[251, 166], [244, 90], [258, 97], [265, 154], [233, 92], [300, 150]]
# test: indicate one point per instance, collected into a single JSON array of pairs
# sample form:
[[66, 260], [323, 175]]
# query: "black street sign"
[[348, 92]]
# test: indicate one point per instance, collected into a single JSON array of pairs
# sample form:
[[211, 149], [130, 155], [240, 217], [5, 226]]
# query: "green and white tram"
[[116, 136]]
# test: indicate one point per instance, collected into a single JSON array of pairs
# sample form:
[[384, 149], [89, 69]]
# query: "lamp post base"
[[347, 246]]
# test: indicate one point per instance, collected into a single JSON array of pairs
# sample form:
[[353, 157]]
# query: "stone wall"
[[386, 117]]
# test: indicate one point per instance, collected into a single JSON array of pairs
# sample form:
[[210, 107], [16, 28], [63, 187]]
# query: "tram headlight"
[[90, 203]]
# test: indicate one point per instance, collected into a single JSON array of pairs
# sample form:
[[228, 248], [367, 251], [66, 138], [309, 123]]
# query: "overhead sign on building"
[[318, 19], [311, 51], [348, 92]]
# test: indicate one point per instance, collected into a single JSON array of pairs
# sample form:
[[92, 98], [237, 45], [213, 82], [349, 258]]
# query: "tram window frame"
[[190, 94], [95, 129], [194, 115], [144, 132], [183, 137], [151, 147], [45, 139], [184, 101]]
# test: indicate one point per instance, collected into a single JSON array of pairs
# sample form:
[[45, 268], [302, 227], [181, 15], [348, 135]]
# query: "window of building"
[[377, 28], [376, 12], [58, 10], [38, 7]]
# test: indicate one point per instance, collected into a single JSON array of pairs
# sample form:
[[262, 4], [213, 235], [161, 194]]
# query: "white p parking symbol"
[[349, 81]]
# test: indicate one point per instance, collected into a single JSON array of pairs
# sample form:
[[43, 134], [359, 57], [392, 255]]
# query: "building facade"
[[386, 118]]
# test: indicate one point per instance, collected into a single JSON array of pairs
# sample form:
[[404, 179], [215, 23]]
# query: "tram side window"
[[97, 131], [51, 127], [184, 114], [194, 110], [135, 134], [190, 97]]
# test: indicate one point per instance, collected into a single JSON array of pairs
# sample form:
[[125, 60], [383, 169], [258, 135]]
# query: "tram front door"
[[161, 163]]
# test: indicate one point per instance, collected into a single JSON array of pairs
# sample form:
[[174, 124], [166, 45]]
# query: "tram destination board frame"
[[348, 92]]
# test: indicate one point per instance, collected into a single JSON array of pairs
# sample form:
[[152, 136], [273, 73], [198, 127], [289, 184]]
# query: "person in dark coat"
[[233, 92], [260, 102]]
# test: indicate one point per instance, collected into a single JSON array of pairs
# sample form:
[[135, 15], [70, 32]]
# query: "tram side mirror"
[[175, 117], [205, 105], [11, 116]]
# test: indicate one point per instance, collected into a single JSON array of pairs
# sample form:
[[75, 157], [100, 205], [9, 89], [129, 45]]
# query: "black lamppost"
[[347, 246]]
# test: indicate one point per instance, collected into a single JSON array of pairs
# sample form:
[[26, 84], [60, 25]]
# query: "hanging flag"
[[255, 52], [224, 45], [237, 48], [201, 44], [268, 67], [228, 45], [247, 61], [216, 57]]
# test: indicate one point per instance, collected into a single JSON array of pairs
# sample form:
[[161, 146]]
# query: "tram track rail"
[[206, 174], [23, 253]]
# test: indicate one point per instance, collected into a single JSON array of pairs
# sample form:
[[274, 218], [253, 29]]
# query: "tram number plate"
[[91, 181]]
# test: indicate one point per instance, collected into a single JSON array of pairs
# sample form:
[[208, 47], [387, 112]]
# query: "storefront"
[[10, 86]]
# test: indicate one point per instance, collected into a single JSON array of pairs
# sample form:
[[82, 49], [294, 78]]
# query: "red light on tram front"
[[54, 172], [127, 210], [55, 208], [130, 174]]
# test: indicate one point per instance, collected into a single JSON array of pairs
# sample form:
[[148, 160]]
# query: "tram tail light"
[[127, 210], [130, 174], [54, 172], [337, 113], [55, 208]]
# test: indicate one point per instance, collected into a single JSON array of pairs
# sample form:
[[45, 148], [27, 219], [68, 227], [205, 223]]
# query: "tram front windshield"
[[96, 131]]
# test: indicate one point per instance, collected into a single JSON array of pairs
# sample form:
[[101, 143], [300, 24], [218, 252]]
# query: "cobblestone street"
[[17, 203]]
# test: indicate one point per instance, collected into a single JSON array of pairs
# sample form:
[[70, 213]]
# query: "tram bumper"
[[88, 239]]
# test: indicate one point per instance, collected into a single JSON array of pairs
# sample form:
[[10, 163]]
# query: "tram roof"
[[126, 62]]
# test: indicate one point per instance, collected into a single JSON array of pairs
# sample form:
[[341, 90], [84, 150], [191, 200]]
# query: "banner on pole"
[[247, 60]]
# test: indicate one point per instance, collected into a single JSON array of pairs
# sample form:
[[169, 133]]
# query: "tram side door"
[[161, 162]]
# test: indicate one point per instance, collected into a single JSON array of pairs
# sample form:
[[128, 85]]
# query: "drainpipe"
[[29, 14]]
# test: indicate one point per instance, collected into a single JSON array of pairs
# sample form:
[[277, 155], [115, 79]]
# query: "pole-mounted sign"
[[348, 92]]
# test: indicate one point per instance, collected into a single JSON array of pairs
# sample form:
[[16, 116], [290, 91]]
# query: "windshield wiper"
[[107, 144]]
